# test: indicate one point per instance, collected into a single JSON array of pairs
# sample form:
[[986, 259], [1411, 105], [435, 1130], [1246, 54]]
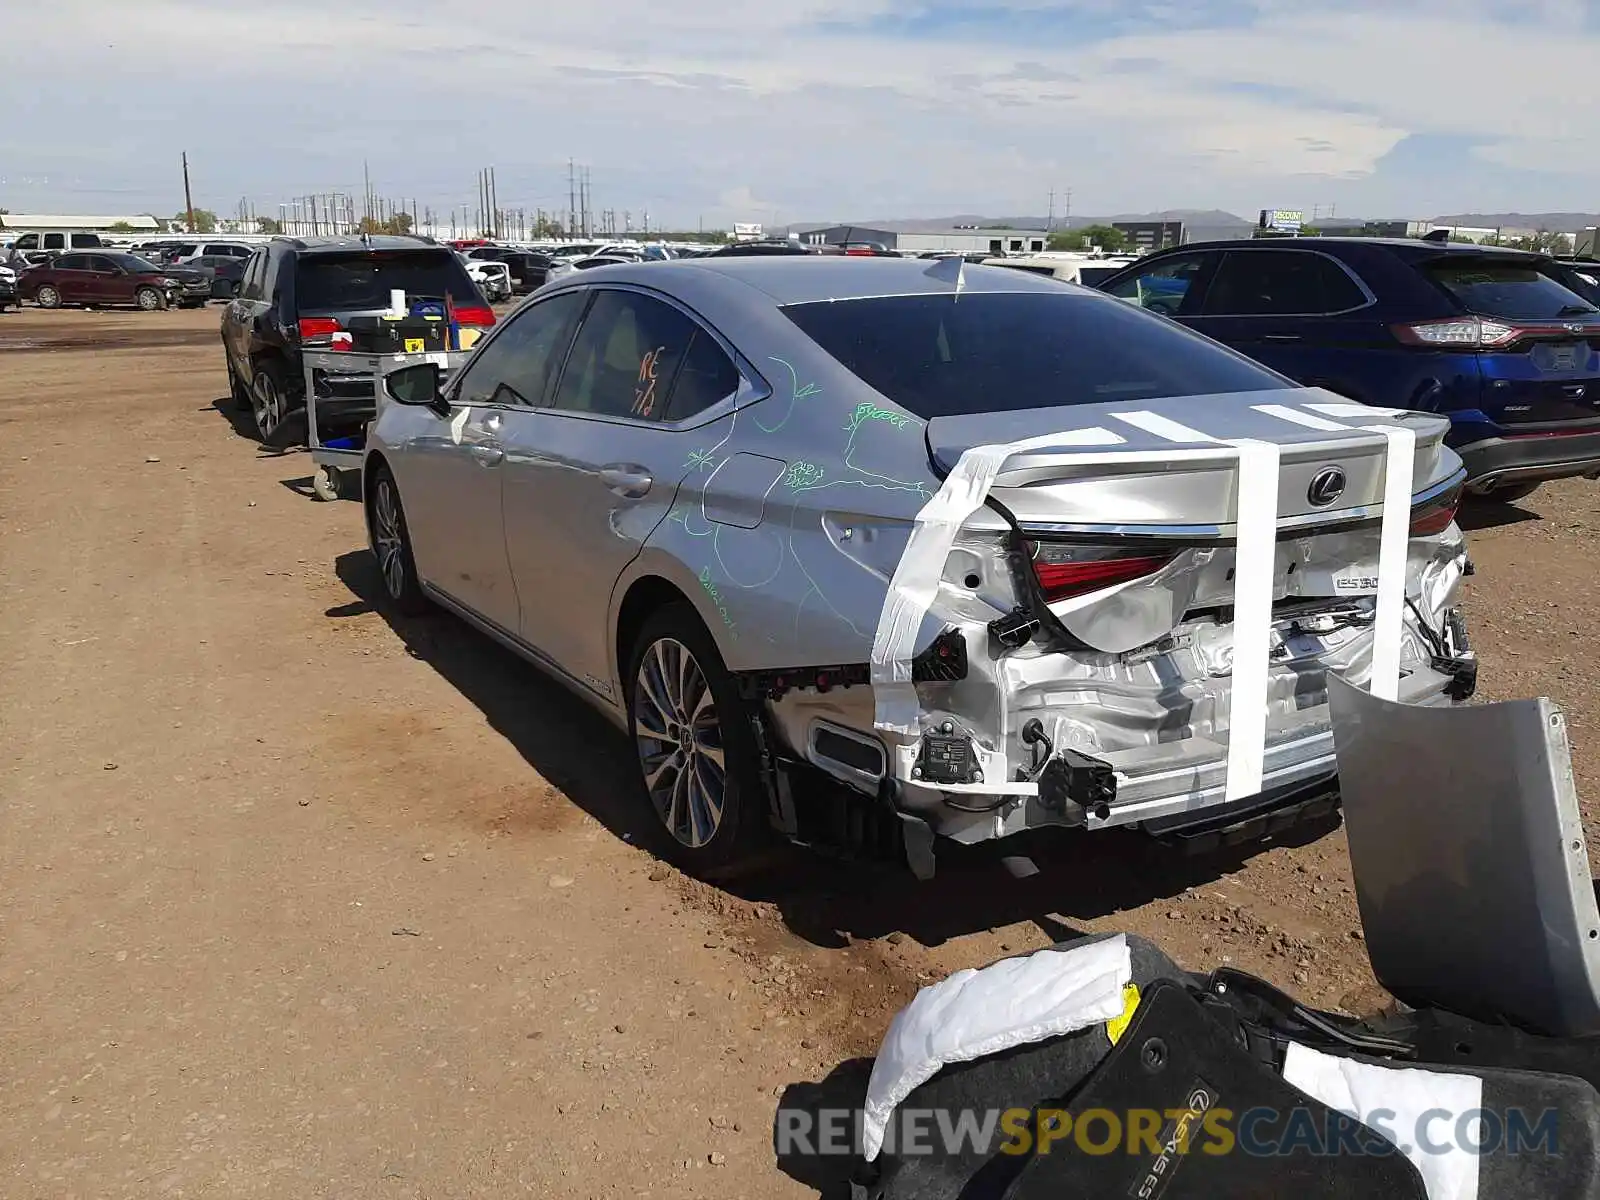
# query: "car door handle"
[[1280, 337], [488, 455], [626, 479]]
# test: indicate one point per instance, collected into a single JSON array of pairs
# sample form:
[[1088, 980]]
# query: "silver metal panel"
[[1469, 858]]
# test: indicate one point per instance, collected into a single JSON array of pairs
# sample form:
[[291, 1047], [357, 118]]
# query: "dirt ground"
[[302, 901]]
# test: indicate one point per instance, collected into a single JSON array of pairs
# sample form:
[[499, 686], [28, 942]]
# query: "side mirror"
[[418, 386]]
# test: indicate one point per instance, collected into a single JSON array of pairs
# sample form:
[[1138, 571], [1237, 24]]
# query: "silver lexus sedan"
[[874, 550]]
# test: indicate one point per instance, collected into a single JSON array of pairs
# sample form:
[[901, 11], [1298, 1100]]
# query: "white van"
[[1069, 268], [34, 246]]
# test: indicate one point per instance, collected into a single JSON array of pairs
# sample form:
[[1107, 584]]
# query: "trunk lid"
[[1170, 489], [1123, 553]]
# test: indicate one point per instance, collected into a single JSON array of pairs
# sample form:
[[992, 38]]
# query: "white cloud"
[[698, 111]]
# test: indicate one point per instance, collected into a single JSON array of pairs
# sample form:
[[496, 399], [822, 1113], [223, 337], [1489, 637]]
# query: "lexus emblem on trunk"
[[1327, 485], [1574, 327]]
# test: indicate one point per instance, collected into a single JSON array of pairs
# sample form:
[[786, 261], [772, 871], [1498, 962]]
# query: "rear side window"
[[72, 262], [83, 240], [1280, 283], [1506, 289], [706, 377], [994, 351], [55, 241], [363, 279]]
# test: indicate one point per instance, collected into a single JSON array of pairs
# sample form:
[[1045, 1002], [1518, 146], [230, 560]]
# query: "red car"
[[107, 279]]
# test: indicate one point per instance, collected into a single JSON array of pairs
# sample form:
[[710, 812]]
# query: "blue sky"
[[813, 110]]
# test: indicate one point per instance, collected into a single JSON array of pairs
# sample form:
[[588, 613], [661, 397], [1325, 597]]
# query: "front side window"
[[1162, 287], [943, 355], [516, 366], [627, 358], [1280, 283], [28, 241]]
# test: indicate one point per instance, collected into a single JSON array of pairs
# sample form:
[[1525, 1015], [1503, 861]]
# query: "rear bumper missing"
[[1166, 783]]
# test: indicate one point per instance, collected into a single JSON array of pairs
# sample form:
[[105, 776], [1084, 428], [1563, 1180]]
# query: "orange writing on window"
[[644, 394]]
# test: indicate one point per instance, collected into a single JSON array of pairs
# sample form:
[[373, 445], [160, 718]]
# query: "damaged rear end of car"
[[1124, 612], [1098, 605]]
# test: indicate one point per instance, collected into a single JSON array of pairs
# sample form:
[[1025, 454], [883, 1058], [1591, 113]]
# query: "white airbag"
[[977, 1013], [1402, 1095]]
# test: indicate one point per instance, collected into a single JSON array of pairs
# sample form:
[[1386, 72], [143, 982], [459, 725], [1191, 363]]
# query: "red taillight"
[[1065, 570], [311, 327], [1434, 516], [860, 254], [474, 315]]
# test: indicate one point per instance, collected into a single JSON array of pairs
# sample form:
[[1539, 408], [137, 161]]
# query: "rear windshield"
[[363, 279], [945, 355], [1504, 289]]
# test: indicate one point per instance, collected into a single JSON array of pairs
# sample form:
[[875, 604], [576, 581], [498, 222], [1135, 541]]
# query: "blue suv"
[[1504, 343]]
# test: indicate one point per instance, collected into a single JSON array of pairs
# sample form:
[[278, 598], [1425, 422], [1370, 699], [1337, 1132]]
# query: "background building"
[[1145, 236], [963, 241], [47, 221]]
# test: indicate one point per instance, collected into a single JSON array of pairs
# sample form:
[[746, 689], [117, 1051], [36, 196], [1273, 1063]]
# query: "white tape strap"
[[1299, 416], [1256, 522], [916, 577], [1393, 548]]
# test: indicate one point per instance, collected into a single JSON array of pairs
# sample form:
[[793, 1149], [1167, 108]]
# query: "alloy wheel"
[[48, 297], [149, 299], [266, 403], [388, 539], [679, 741]]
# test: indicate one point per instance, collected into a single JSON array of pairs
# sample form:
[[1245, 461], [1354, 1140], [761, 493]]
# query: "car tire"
[[238, 395], [149, 299], [389, 539], [269, 398], [47, 296], [684, 714]]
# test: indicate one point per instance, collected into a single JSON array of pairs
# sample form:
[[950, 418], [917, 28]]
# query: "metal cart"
[[344, 393]]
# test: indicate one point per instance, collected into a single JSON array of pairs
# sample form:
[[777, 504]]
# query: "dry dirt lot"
[[302, 901]]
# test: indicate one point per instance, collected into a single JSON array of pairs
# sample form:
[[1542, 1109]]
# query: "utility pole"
[[1050, 221], [188, 199], [572, 204], [494, 191]]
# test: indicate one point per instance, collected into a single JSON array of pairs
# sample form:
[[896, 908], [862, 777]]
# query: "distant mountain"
[[1558, 222]]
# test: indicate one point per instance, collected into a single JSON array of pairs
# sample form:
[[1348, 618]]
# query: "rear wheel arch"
[[646, 595]]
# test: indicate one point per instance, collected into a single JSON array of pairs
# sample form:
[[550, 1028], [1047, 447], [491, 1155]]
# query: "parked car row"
[[106, 279], [1504, 343]]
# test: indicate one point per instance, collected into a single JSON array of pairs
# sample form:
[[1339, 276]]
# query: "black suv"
[[528, 270], [299, 292]]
